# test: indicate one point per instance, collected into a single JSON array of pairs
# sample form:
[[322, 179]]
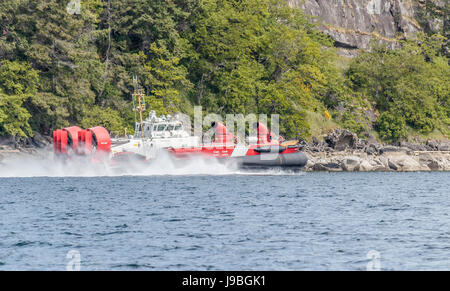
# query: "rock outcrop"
[[354, 23], [341, 140], [357, 161], [342, 150], [10, 146]]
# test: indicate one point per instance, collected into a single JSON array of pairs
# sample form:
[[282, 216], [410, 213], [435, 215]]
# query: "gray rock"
[[433, 165], [351, 164], [315, 141], [433, 145], [328, 149], [362, 144], [365, 166], [341, 139], [393, 165], [372, 149], [330, 167], [39, 140], [444, 146], [352, 24], [389, 161], [438, 145], [431, 161], [413, 146], [405, 163], [388, 149]]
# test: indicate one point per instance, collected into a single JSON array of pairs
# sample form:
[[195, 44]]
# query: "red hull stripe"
[[220, 151]]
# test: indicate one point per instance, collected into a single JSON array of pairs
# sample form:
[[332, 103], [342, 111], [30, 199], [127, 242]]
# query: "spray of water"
[[43, 164]]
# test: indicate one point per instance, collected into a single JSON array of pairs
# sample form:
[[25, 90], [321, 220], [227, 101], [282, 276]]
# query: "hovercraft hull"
[[270, 160]]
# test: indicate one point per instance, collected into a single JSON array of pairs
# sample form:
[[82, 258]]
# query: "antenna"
[[138, 103]]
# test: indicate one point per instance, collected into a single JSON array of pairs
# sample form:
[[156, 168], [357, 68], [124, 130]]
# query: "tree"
[[18, 83], [391, 126], [411, 83], [165, 77]]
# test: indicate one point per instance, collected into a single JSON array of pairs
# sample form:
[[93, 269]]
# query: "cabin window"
[[161, 127], [169, 127], [178, 127]]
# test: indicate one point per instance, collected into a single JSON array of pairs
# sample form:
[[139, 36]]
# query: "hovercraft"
[[96, 145]]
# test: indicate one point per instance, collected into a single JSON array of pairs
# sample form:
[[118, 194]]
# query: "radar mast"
[[138, 103]]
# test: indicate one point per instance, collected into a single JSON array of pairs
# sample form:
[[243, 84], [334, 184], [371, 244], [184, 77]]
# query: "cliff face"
[[353, 23]]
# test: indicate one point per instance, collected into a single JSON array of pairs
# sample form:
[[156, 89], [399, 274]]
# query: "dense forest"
[[60, 65]]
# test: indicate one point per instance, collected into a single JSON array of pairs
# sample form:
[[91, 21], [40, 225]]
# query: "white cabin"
[[158, 132]]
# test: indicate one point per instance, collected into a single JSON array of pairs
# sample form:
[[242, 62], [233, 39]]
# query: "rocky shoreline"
[[33, 146], [340, 151]]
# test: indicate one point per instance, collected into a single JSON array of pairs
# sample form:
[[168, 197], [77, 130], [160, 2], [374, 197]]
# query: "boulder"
[[432, 145], [435, 161], [433, 165], [372, 149], [40, 141], [380, 164], [390, 149], [393, 165], [310, 164], [438, 145], [413, 146], [362, 144], [444, 146], [330, 167], [365, 166], [351, 164], [405, 163], [341, 139]]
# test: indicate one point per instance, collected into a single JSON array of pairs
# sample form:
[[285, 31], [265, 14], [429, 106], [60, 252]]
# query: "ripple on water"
[[312, 221]]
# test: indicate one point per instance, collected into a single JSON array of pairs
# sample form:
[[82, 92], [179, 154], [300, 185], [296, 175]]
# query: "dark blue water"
[[312, 221]]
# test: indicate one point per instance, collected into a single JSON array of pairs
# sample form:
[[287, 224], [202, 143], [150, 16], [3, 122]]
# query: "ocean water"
[[265, 220]]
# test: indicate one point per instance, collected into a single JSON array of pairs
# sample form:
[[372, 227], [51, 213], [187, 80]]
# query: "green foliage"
[[49, 112], [13, 117], [391, 126], [412, 83], [17, 78], [165, 77], [17, 83], [105, 117], [348, 121]]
